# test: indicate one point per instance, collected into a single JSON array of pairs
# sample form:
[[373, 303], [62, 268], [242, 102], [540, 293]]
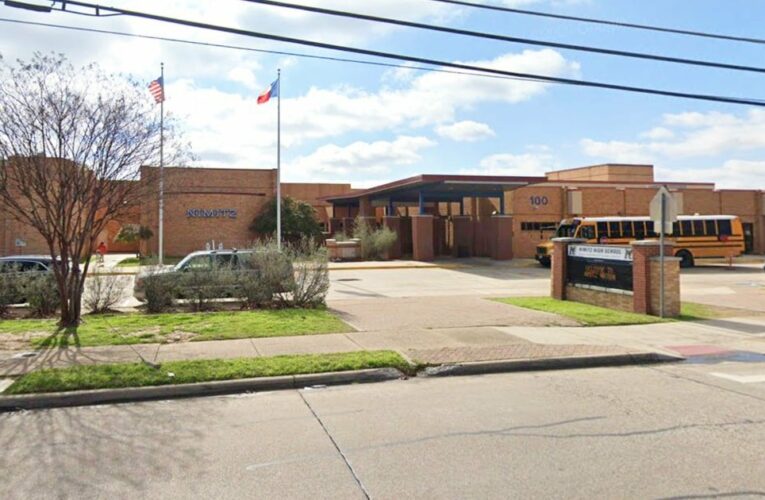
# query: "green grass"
[[147, 261], [136, 328], [586, 314], [140, 375], [590, 315]]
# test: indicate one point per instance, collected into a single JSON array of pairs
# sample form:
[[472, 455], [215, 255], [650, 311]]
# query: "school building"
[[501, 217]]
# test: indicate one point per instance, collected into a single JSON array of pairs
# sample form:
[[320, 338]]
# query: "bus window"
[[602, 230], [627, 228], [685, 226], [639, 229], [698, 227], [614, 231], [565, 231], [711, 227], [586, 232], [724, 227], [675, 227]]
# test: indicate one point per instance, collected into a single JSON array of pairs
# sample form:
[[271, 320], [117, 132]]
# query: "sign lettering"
[[214, 213]]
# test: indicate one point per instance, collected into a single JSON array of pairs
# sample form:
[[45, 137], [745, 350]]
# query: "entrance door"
[[748, 237]]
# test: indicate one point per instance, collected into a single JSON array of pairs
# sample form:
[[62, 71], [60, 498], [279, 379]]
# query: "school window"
[[538, 226]]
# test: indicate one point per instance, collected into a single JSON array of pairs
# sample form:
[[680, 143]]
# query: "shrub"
[[9, 292], [310, 283], [40, 291], [273, 267], [200, 288], [160, 290], [103, 292], [375, 243]]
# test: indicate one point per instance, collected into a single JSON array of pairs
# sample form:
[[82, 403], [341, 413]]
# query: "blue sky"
[[367, 125]]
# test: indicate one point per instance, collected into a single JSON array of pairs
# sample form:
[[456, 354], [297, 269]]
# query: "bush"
[[200, 288], [160, 290], [375, 243], [310, 283], [9, 293], [40, 290], [103, 292]]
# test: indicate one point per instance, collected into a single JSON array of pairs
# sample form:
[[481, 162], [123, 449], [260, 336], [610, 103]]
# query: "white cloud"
[[465, 131], [741, 174], [658, 133], [694, 135], [526, 164], [360, 157]]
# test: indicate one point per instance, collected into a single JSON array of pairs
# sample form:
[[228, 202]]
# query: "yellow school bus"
[[695, 236]]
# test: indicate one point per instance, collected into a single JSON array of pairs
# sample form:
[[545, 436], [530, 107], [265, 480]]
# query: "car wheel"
[[686, 258]]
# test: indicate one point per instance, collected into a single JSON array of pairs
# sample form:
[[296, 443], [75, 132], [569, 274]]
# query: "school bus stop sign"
[[670, 211]]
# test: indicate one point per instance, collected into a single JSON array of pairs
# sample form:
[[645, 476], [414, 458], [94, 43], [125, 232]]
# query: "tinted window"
[[613, 230], [639, 229], [711, 227], [685, 227], [587, 232], [225, 260], [650, 233], [698, 227], [198, 263], [627, 229], [675, 228], [724, 227], [602, 229]]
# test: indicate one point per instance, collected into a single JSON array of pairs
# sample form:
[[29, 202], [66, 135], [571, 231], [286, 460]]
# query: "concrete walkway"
[[431, 345]]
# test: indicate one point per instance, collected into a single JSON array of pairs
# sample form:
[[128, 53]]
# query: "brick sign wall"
[[600, 265]]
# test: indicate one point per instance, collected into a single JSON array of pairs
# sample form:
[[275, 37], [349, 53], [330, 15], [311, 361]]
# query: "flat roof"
[[406, 188]]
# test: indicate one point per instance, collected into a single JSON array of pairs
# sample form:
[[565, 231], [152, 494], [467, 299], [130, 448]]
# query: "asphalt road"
[[670, 431]]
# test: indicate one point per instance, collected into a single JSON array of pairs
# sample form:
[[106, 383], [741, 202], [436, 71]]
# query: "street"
[[668, 431]]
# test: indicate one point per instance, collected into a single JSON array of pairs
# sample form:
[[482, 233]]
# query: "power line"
[[660, 29], [415, 59], [264, 51], [511, 39]]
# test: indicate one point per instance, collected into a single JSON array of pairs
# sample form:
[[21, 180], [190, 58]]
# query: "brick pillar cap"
[[568, 240], [651, 243], [666, 257], [502, 215], [422, 215]]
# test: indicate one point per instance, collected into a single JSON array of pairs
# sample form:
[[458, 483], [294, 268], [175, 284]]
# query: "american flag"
[[157, 89]]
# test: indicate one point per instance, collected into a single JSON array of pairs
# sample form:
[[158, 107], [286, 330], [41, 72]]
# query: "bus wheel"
[[686, 259]]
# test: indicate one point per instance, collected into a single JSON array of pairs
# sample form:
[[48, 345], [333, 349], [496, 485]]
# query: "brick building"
[[495, 216]]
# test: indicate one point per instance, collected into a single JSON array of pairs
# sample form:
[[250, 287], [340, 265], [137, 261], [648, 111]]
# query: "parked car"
[[26, 263], [201, 262]]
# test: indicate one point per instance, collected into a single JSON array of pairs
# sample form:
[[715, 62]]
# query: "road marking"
[[742, 379]]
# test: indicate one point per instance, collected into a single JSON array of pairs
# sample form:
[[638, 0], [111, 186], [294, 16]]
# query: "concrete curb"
[[515, 365], [127, 395], [382, 268]]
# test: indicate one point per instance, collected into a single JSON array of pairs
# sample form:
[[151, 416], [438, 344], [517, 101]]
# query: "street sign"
[[670, 211]]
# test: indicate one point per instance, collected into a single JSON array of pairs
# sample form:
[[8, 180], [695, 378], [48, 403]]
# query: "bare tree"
[[73, 141]]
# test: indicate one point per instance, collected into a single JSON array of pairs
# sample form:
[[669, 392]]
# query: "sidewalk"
[[433, 346]]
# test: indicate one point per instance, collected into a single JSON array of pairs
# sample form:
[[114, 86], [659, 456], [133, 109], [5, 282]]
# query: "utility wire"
[[415, 59], [511, 39], [264, 51], [660, 29]]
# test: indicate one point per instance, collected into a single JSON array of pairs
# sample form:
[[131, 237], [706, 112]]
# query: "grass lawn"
[[147, 261], [135, 328], [590, 315], [184, 372]]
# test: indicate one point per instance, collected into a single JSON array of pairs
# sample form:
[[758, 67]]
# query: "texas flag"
[[272, 91]]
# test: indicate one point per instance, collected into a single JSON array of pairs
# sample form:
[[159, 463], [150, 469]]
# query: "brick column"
[[394, 224], [463, 235], [558, 266], [642, 252], [503, 237], [671, 287], [422, 237]]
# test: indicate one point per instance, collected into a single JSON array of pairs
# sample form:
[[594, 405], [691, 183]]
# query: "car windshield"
[[565, 231]]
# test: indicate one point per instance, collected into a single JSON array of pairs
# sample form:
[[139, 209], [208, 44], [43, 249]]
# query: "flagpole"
[[279, 159], [162, 167]]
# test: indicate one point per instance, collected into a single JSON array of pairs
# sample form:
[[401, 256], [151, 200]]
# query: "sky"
[[367, 125]]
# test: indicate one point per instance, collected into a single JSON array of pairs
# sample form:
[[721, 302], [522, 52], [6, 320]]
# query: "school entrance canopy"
[[440, 223], [421, 190]]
